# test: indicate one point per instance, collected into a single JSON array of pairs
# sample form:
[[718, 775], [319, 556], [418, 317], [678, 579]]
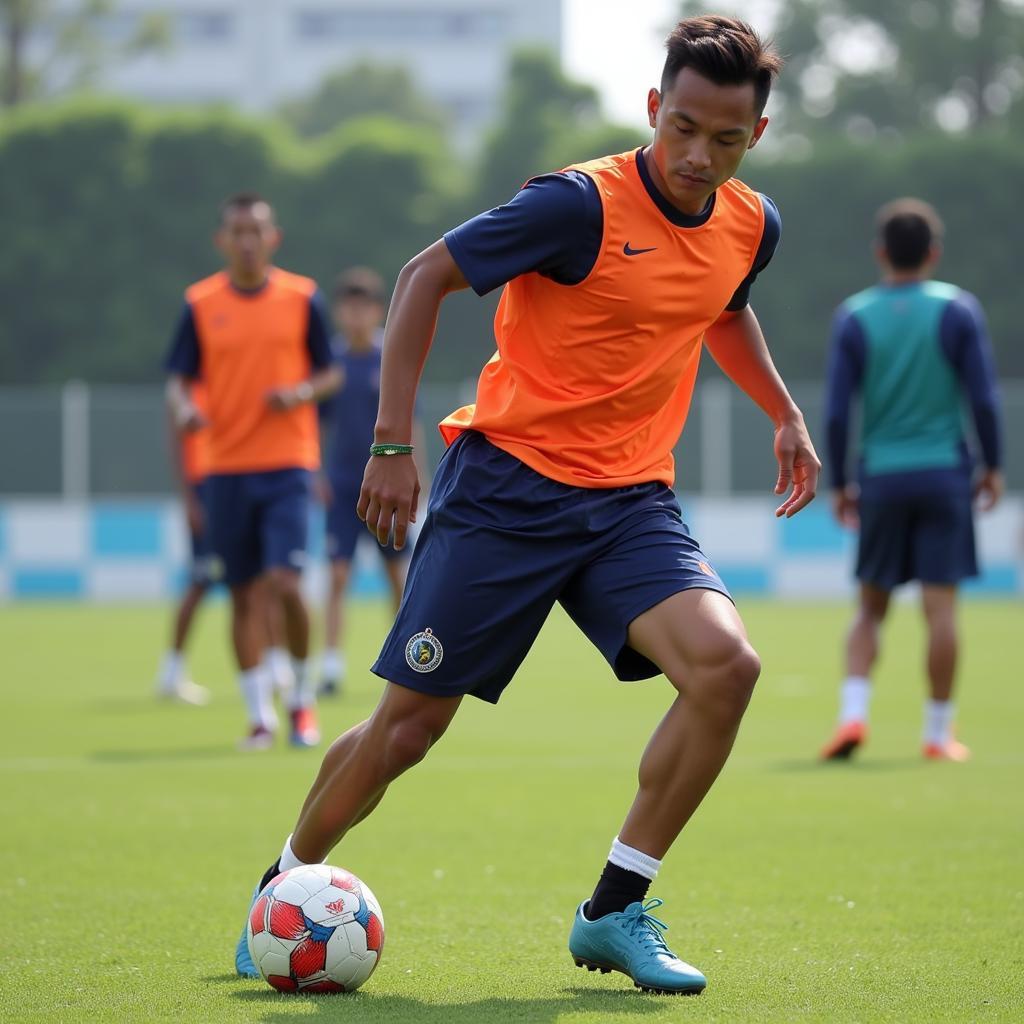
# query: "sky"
[[617, 45]]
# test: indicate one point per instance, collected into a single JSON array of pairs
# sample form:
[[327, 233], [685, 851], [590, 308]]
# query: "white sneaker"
[[259, 738], [186, 692]]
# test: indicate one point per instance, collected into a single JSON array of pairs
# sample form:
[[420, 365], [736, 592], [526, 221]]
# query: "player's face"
[[701, 133], [358, 316], [248, 238]]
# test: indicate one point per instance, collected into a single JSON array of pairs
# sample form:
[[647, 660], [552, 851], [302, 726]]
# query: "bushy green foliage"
[[828, 205], [108, 212]]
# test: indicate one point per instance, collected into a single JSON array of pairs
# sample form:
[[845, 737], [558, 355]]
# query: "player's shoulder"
[[860, 301], [207, 287], [285, 280], [615, 164], [739, 195]]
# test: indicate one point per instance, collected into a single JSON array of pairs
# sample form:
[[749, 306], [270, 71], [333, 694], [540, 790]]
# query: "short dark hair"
[[907, 229], [359, 283], [242, 201], [726, 51]]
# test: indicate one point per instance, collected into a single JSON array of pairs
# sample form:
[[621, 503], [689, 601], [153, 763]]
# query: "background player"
[[557, 483], [358, 308], [190, 460], [259, 338], [912, 349]]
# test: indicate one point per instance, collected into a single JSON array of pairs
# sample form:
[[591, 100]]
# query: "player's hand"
[[844, 506], [188, 419], [194, 513], [283, 399], [799, 467], [389, 497], [322, 490], [988, 489]]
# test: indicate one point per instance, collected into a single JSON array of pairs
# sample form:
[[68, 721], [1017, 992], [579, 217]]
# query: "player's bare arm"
[[184, 414], [737, 344], [321, 384], [390, 490]]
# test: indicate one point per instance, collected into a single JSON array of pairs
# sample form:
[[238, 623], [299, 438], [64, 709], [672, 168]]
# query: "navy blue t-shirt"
[[553, 226], [349, 415], [184, 356]]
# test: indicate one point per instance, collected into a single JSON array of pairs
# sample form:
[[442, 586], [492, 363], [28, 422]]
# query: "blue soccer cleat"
[[631, 942], [244, 967]]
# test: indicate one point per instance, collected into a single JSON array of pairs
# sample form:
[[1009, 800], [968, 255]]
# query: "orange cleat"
[[951, 750], [305, 731], [848, 737]]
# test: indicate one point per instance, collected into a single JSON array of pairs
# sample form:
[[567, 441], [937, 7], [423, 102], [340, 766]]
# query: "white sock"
[[854, 699], [633, 860], [256, 692], [172, 670], [332, 665], [303, 691], [938, 721], [288, 860], [279, 667]]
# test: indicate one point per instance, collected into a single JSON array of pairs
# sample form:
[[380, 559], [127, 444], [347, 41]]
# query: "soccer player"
[[913, 349], [556, 485], [190, 459], [258, 337], [350, 415]]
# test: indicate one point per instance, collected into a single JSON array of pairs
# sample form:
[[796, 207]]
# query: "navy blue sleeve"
[[318, 332], [845, 372], [183, 355], [770, 236], [552, 226], [965, 340]]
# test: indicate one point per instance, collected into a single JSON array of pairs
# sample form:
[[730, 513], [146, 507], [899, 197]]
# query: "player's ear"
[[276, 238], [219, 241], [653, 106], [758, 132]]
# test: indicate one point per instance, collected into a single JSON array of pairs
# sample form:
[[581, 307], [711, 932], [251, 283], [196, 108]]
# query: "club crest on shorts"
[[423, 652]]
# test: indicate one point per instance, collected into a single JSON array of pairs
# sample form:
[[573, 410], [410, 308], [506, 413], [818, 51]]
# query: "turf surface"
[[884, 890]]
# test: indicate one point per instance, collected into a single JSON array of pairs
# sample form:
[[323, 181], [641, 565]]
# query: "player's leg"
[[652, 604], [944, 555], [173, 682], [283, 528], [884, 558], [862, 647], [276, 658], [480, 587], [332, 664], [234, 536], [395, 568]]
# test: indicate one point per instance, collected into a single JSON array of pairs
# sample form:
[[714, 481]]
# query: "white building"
[[255, 53]]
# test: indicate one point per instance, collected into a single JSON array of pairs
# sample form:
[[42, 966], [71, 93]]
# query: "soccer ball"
[[315, 928]]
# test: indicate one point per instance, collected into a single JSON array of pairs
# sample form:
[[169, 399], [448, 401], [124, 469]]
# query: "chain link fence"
[[80, 441]]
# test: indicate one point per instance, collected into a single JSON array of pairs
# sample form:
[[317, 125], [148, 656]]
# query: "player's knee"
[[284, 584], [407, 743], [729, 683]]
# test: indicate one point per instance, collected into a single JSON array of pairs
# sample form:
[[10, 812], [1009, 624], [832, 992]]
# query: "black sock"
[[616, 889], [272, 872]]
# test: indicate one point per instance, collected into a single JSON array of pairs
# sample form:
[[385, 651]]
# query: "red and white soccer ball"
[[316, 929]]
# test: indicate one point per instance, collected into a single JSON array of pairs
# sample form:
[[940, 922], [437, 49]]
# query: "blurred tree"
[[47, 48], [541, 105], [362, 90], [876, 67]]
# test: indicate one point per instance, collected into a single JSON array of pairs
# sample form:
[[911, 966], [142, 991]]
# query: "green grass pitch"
[[884, 890]]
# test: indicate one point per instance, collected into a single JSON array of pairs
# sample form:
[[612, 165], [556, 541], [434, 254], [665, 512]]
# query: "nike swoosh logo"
[[636, 252]]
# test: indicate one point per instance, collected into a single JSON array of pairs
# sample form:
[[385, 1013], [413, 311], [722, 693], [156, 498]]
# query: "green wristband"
[[391, 449]]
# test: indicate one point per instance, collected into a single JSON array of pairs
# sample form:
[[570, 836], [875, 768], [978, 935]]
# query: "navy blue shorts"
[[259, 521], [203, 568], [926, 537], [501, 544], [344, 527]]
